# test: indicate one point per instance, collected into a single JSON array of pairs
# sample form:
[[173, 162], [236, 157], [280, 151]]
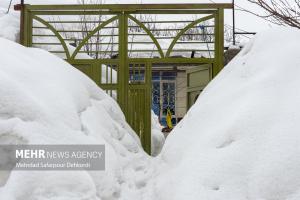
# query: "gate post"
[[25, 24], [148, 117], [123, 71], [219, 41]]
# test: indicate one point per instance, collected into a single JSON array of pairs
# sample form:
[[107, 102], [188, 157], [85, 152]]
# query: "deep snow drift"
[[241, 139], [44, 100]]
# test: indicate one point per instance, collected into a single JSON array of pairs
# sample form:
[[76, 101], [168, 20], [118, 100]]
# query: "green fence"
[[124, 41]]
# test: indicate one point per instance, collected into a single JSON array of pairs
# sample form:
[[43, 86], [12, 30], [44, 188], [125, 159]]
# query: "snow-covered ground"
[[241, 139], [44, 100], [9, 24]]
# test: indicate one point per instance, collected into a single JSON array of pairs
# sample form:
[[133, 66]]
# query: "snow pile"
[[241, 139], [158, 139], [9, 25], [44, 100], [10, 30]]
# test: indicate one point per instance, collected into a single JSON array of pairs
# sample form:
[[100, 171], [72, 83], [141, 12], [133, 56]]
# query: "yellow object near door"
[[169, 119]]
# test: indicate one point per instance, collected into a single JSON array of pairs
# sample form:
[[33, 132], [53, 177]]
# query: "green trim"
[[148, 103], [59, 37], [122, 71], [168, 12], [73, 12], [99, 61], [184, 30], [219, 42], [132, 7], [93, 12], [150, 60], [149, 33], [92, 33]]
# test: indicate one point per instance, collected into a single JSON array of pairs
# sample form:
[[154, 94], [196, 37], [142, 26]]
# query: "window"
[[164, 95]]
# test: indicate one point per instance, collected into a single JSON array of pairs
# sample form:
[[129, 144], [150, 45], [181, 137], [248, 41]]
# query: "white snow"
[[158, 139], [44, 100], [241, 138], [10, 25], [240, 141]]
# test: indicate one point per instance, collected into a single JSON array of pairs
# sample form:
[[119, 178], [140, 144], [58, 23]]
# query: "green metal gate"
[[139, 103], [110, 34]]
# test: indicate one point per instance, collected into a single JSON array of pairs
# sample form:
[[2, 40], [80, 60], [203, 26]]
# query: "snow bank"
[[44, 100], [241, 139], [9, 25], [158, 139], [9, 29]]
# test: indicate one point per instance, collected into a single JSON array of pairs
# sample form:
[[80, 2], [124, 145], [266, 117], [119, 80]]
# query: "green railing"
[[124, 41]]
